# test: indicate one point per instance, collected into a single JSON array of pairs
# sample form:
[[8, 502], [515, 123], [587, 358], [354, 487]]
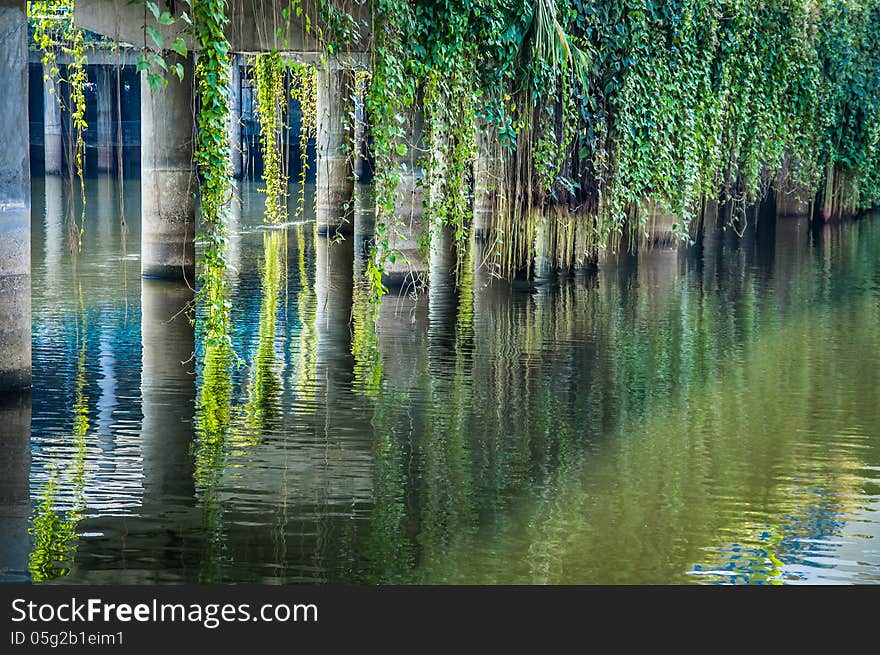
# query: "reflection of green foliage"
[[265, 383], [365, 340], [211, 449], [306, 347], [54, 537], [54, 532], [387, 549]]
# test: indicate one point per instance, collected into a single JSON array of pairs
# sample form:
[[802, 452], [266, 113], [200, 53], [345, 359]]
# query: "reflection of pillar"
[[442, 298], [106, 101], [15, 470], [334, 293], [54, 151], [54, 226], [167, 176], [364, 219], [334, 184], [15, 203], [107, 401], [235, 117], [402, 339], [167, 389], [406, 232]]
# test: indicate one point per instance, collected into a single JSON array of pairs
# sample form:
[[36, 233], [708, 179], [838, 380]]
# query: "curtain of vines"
[[608, 107]]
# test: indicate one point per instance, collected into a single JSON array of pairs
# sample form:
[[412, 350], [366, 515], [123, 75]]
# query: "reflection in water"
[[264, 387], [53, 524], [15, 499], [698, 417]]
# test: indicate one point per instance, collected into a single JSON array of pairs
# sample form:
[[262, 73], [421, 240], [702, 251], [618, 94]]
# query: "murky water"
[[701, 417]]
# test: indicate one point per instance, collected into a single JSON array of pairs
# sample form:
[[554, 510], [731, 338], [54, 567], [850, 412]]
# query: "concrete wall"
[[15, 202]]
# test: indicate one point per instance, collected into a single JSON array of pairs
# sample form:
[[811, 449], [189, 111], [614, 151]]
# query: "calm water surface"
[[711, 416]]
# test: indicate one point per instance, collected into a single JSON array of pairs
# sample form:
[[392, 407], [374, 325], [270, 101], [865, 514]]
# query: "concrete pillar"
[[167, 381], [168, 181], [106, 107], [334, 183], [406, 234], [793, 201], [235, 157], [359, 162], [15, 203], [15, 471], [485, 183], [52, 144]]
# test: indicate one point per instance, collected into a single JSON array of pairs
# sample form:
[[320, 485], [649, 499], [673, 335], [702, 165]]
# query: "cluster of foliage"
[[613, 106], [269, 81], [609, 109], [212, 157], [54, 33]]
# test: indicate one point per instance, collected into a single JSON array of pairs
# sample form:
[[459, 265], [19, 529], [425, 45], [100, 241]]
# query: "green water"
[[703, 416]]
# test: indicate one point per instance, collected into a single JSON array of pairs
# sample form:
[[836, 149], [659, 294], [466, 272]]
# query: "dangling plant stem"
[[269, 80], [211, 154]]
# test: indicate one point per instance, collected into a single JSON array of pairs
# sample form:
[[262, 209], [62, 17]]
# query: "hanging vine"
[[269, 81], [303, 89], [54, 34]]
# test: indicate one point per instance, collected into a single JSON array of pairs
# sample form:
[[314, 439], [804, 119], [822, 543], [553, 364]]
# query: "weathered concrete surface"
[[105, 80], [407, 233], [15, 470], [52, 145], [235, 158], [334, 177], [793, 202], [254, 26], [168, 181], [409, 268], [486, 181], [15, 202]]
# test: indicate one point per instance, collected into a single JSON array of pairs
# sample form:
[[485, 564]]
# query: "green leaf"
[[165, 19], [156, 81], [159, 61], [153, 7], [178, 70], [156, 36], [401, 149], [179, 46]]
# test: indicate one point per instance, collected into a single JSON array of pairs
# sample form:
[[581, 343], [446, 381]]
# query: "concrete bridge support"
[[15, 202], [486, 172], [235, 157], [52, 144], [105, 81], [334, 178], [168, 180], [407, 232]]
